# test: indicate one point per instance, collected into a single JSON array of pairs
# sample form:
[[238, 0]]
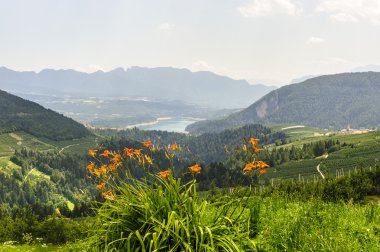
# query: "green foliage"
[[166, 216], [17, 114], [25, 227]]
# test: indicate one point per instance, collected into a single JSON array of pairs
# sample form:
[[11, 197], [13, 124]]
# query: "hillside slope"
[[17, 114], [331, 101]]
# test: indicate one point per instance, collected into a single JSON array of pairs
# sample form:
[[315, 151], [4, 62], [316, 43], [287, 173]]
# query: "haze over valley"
[[136, 96]]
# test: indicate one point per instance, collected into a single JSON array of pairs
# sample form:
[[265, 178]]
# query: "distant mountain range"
[[331, 101], [163, 83], [368, 68], [17, 114]]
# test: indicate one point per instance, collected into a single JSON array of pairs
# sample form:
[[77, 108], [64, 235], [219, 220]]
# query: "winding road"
[[323, 176]]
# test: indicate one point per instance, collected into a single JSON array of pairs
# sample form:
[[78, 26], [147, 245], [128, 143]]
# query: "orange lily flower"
[[262, 164], [174, 147], [248, 167], [101, 186], [92, 152], [106, 153], [165, 174], [91, 166], [116, 158], [254, 141], [195, 169], [113, 167], [128, 152], [147, 144], [101, 171], [256, 150], [97, 172], [262, 171]]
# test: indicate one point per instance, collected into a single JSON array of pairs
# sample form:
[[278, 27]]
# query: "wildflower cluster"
[[252, 163], [259, 165], [159, 212], [107, 164]]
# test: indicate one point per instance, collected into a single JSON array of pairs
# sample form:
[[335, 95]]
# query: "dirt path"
[[28, 174], [17, 137], [71, 145], [68, 146], [325, 157]]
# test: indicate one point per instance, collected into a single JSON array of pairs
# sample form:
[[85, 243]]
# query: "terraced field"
[[17, 140], [363, 152]]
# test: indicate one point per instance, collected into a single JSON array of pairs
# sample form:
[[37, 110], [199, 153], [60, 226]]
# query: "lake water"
[[170, 124]]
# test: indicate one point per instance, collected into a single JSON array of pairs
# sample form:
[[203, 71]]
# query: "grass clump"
[[165, 217]]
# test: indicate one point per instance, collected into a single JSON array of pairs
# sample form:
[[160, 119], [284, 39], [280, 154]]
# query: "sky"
[[268, 41]]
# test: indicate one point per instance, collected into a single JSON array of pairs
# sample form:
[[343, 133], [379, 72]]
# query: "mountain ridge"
[[167, 83], [329, 101]]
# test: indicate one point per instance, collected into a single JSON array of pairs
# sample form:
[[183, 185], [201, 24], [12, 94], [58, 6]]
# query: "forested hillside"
[[208, 147], [45, 181], [331, 101], [17, 114]]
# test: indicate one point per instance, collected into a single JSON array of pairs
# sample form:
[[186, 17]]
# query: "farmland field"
[[10, 142], [362, 150]]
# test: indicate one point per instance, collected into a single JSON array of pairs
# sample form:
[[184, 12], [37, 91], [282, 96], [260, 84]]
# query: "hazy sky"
[[245, 39]]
